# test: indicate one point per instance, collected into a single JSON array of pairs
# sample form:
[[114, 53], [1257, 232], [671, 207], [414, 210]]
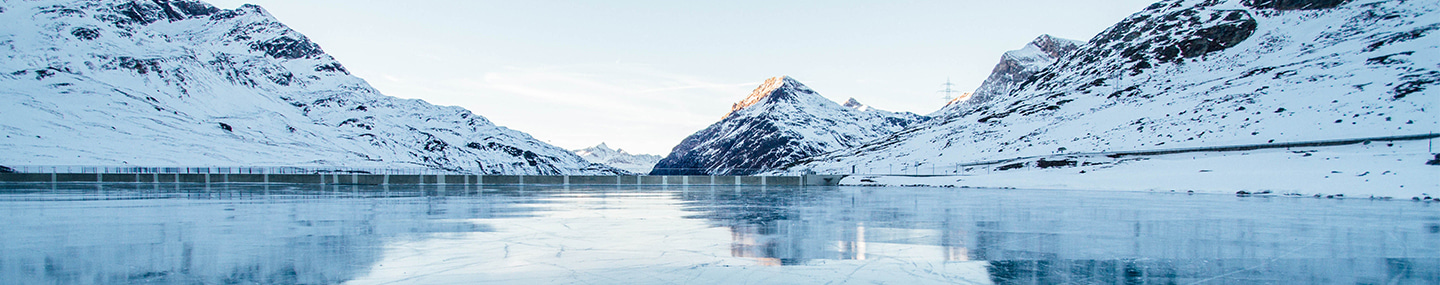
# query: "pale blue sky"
[[642, 75]]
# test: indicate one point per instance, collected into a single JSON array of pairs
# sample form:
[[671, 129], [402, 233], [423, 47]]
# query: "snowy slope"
[[1197, 73], [1015, 67], [780, 122], [181, 83], [619, 158]]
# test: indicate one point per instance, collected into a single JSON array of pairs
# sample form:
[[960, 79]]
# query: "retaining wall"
[[402, 179]]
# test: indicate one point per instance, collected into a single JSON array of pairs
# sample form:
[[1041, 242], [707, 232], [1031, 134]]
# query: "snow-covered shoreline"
[[1395, 170]]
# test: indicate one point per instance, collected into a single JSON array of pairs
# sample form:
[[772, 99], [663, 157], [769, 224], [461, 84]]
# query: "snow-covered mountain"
[[780, 122], [182, 83], [1198, 73], [1015, 67], [619, 158]]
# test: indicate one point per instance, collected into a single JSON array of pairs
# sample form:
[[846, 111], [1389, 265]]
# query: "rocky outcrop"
[[1015, 68], [1295, 4]]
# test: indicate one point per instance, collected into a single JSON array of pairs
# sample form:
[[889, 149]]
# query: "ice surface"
[[151, 233]]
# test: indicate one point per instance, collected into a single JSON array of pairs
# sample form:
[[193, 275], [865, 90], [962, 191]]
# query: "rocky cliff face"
[[782, 121], [183, 83], [1196, 73], [1015, 68]]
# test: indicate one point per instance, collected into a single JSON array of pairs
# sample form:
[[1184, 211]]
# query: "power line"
[[949, 90]]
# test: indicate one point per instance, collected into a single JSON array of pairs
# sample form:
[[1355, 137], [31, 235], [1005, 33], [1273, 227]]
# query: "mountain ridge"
[[1015, 67], [182, 83], [619, 158], [1194, 74], [781, 121]]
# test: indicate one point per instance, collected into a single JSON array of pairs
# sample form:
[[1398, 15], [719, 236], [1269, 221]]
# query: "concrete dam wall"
[[410, 179]]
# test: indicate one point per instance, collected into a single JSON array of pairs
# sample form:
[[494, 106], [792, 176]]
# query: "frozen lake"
[[167, 233]]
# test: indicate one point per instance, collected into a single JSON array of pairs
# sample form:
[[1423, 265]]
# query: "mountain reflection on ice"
[[151, 233], [1049, 237], [234, 234]]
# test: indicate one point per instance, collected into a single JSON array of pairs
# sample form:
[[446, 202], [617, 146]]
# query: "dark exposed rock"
[[141, 66], [226, 127], [133, 13], [283, 79], [1238, 27], [288, 48], [436, 145], [138, 12], [357, 123], [332, 67], [1213, 30], [62, 11], [1402, 37], [48, 72], [224, 14], [1055, 163], [1416, 83], [192, 8], [530, 157], [1389, 58], [170, 12], [1295, 4], [85, 33], [1011, 166]]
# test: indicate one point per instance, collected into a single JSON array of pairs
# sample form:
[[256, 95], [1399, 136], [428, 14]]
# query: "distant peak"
[[764, 91], [1043, 38], [1053, 46], [852, 104], [602, 146], [1044, 48]]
